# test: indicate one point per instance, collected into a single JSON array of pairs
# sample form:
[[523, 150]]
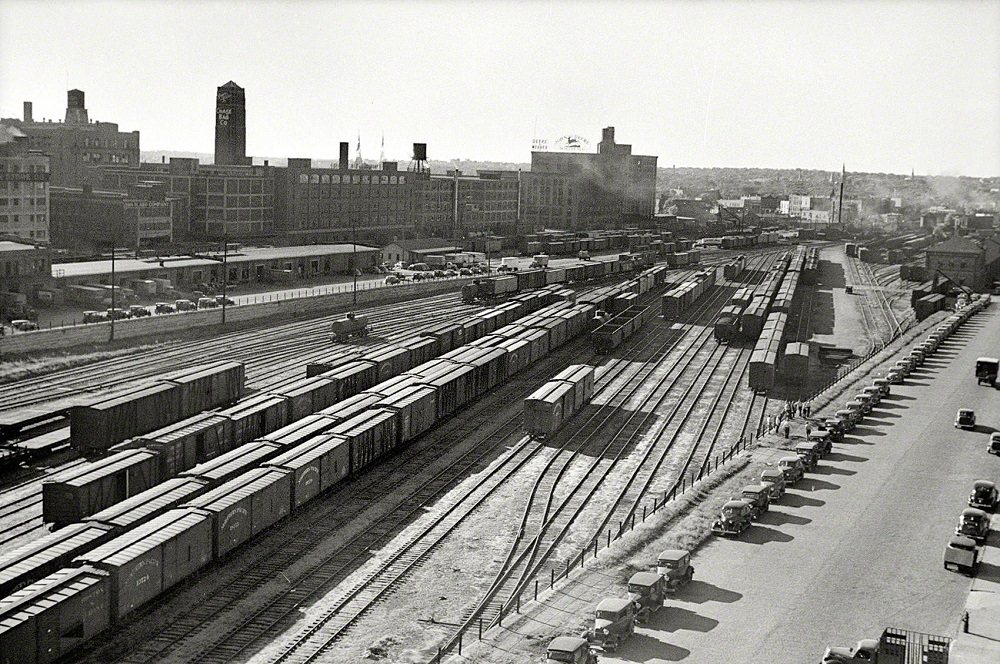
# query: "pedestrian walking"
[[768, 422], [808, 408], [809, 430], [788, 429]]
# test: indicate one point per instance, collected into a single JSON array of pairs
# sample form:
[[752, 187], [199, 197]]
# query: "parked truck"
[[895, 646], [986, 370]]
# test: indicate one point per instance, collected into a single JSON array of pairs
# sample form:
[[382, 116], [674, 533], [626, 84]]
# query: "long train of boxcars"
[[767, 353], [524, 280], [127, 569]]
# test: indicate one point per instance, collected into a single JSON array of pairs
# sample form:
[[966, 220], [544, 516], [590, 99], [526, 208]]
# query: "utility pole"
[[354, 256], [225, 274], [114, 311]]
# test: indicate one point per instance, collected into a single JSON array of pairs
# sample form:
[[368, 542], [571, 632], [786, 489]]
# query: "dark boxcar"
[[416, 407], [144, 562], [316, 465], [547, 408], [307, 395], [518, 354], [209, 386], [539, 342], [446, 335], [44, 555], [95, 427], [44, 621], [529, 279], [371, 435], [189, 442], [421, 349], [391, 386], [80, 492], [489, 365], [472, 329], [245, 506], [389, 361], [454, 385], [331, 361], [149, 504], [607, 336], [352, 378], [234, 463], [555, 326], [581, 377], [299, 431], [256, 416], [348, 408]]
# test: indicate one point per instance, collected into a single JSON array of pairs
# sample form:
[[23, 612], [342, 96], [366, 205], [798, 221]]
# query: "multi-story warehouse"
[[88, 220], [972, 262], [580, 191], [24, 270], [78, 143], [371, 205], [24, 187], [231, 126], [223, 201], [461, 206]]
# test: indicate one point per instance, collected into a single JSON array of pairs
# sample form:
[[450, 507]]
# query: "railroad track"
[[529, 558]]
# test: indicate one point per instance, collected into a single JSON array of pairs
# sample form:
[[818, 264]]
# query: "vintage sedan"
[[569, 650], [962, 554], [759, 498], [792, 467], [965, 419], [974, 523], [674, 565], [614, 621], [734, 519], [984, 495], [774, 480]]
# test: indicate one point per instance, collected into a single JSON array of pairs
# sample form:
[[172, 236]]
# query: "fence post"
[[481, 627], [643, 512], [536, 590], [460, 643], [552, 580]]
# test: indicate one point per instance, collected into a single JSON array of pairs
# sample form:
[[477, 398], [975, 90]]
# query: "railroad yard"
[[466, 534]]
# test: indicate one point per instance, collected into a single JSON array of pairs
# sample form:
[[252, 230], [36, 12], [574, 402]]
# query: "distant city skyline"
[[889, 86]]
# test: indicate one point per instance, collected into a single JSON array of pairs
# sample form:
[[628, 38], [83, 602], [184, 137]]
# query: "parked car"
[[569, 650], [117, 314], [94, 316], [138, 311], [965, 419], [808, 455], [614, 621], [465, 271], [994, 447], [392, 279], [962, 554], [774, 480], [184, 305], [973, 523], [228, 301], [759, 498], [734, 518], [984, 495], [24, 325], [164, 308], [792, 467], [207, 303], [675, 566], [894, 377], [439, 273], [647, 591], [451, 273]]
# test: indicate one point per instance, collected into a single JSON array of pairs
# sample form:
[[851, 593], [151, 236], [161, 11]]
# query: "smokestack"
[[344, 152], [27, 112]]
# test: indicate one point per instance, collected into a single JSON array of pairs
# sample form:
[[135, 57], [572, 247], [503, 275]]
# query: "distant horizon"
[[891, 87], [659, 166]]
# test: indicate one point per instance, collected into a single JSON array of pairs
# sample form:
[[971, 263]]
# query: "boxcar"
[[144, 562], [416, 410], [352, 378], [454, 384], [245, 506], [548, 407], [581, 377], [80, 492], [97, 426], [304, 396], [46, 554], [331, 361], [44, 621], [206, 387], [316, 465], [149, 504], [256, 416], [234, 463], [371, 435], [300, 431], [189, 442]]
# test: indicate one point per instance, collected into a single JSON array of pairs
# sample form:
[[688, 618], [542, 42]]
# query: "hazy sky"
[[883, 85]]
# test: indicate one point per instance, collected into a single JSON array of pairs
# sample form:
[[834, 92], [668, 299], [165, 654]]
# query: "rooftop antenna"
[[381, 156], [358, 161]]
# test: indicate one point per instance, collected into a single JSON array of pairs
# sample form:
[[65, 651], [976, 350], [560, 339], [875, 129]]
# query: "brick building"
[[579, 191], [972, 262], [24, 187], [231, 126], [88, 220], [230, 201], [461, 206], [371, 205], [24, 270], [78, 143]]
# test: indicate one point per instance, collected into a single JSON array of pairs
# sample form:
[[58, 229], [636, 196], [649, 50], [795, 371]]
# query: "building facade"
[[24, 187], [24, 270], [463, 206], [579, 191], [222, 201], [78, 143], [374, 205], [88, 220], [974, 263]]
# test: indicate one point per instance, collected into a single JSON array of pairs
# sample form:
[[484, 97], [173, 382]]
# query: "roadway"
[[855, 547]]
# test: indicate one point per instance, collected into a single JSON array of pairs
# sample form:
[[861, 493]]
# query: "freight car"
[[766, 352], [96, 427], [616, 330], [350, 325], [727, 325], [549, 407]]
